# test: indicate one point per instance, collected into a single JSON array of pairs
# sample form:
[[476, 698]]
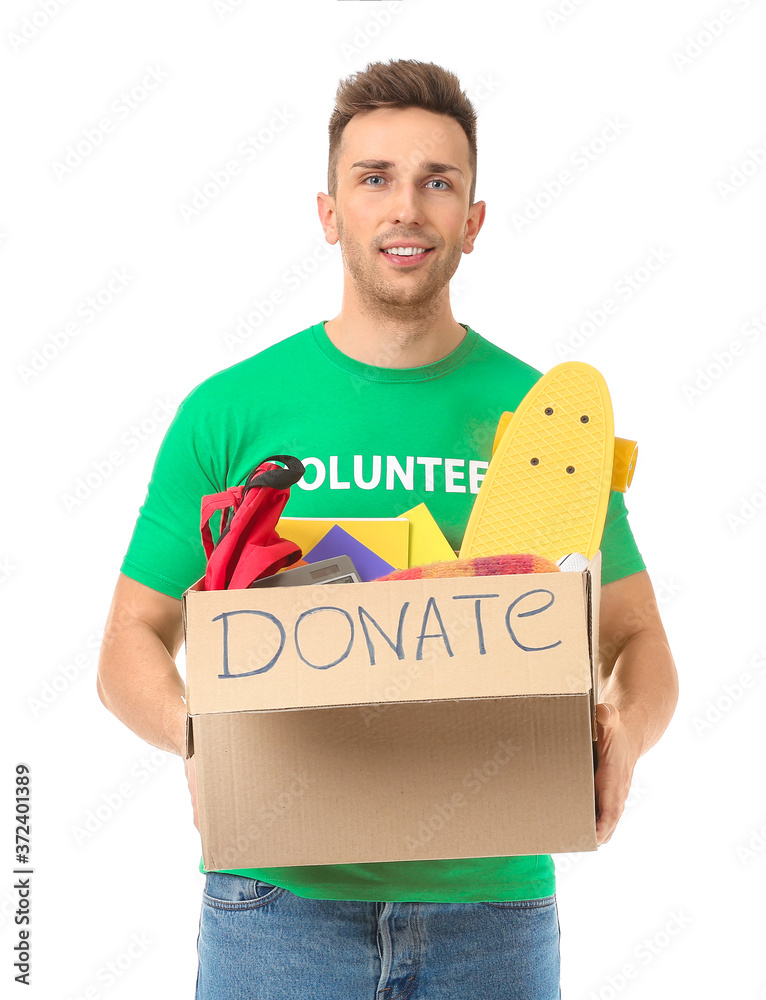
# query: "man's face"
[[403, 181]]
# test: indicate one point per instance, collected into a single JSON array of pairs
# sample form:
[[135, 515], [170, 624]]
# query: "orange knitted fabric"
[[505, 564]]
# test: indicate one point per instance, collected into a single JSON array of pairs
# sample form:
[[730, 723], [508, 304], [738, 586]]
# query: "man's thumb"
[[605, 713]]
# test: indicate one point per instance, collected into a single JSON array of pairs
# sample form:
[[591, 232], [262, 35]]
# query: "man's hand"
[[191, 777], [614, 773], [137, 676], [637, 691]]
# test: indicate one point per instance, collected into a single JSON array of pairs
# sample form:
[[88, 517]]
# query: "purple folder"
[[338, 542]]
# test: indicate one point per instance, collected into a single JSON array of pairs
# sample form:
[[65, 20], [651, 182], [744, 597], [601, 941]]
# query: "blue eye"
[[378, 177]]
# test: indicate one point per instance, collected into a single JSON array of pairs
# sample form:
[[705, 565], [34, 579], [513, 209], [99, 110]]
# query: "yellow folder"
[[427, 542]]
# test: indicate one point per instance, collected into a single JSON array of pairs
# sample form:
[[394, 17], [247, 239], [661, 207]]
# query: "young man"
[[416, 397]]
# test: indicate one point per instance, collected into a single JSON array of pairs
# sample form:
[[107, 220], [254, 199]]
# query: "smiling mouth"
[[408, 258]]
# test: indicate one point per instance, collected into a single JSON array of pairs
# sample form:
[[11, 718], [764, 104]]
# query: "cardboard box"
[[394, 721]]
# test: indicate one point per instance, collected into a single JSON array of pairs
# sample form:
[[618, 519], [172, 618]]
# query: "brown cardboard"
[[466, 733]]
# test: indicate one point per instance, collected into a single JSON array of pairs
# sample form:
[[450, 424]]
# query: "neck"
[[387, 340]]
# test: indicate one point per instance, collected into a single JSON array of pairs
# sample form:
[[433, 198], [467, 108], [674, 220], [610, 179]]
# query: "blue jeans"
[[261, 942]]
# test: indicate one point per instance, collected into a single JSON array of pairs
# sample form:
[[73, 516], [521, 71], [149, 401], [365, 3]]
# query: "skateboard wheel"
[[625, 457]]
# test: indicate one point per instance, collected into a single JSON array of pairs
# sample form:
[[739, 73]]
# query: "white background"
[[674, 883]]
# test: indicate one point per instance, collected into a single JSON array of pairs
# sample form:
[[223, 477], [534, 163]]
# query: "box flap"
[[396, 641], [593, 604], [195, 587], [189, 733], [189, 749]]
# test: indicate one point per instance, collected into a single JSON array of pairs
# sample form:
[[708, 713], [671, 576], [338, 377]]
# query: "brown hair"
[[401, 83]]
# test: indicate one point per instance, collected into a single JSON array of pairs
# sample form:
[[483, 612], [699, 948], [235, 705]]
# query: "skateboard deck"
[[546, 490], [623, 466]]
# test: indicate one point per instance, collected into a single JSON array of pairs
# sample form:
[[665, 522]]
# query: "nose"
[[406, 207]]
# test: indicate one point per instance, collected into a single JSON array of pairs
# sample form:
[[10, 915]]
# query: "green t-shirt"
[[375, 442]]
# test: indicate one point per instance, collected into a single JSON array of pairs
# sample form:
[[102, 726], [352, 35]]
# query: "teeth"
[[404, 251]]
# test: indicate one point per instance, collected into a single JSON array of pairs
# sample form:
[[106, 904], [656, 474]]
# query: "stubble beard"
[[389, 299]]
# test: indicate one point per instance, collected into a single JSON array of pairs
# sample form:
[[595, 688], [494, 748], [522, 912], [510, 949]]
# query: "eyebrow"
[[428, 166]]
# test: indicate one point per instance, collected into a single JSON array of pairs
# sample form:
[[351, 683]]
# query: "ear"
[[326, 209], [473, 224]]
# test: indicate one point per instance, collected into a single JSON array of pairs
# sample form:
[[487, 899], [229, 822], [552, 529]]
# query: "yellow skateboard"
[[623, 466], [547, 487]]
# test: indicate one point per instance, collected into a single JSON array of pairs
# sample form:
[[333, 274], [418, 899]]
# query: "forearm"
[[139, 683], [643, 686]]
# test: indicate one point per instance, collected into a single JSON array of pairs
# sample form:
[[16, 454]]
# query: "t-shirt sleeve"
[[165, 551], [619, 553]]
